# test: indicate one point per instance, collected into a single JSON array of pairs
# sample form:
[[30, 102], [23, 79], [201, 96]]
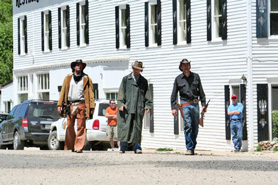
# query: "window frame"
[[22, 35], [182, 40], [46, 33], [269, 21], [216, 28], [122, 36], [64, 44], [82, 23], [152, 35], [22, 84]]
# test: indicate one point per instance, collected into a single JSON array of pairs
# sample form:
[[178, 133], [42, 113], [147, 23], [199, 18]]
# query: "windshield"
[[102, 109], [43, 110]]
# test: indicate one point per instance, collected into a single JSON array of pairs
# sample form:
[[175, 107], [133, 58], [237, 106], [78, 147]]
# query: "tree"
[[6, 41]]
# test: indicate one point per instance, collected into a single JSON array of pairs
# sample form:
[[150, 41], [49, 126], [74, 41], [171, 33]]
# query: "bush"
[[275, 149], [259, 148], [275, 121]]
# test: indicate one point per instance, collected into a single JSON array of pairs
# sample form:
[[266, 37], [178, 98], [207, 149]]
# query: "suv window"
[[43, 110], [22, 110], [17, 111], [102, 108], [12, 112]]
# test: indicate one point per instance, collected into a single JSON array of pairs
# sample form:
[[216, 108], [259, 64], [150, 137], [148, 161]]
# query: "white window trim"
[[22, 89], [179, 27], [121, 35], [151, 43], [271, 37], [214, 33], [22, 37], [46, 33], [63, 40], [40, 78], [82, 26]]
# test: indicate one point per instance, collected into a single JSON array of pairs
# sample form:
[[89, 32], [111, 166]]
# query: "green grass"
[[259, 148], [164, 149], [275, 149]]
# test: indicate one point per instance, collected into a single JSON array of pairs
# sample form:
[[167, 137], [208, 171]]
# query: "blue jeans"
[[124, 146], [191, 125], [236, 130]]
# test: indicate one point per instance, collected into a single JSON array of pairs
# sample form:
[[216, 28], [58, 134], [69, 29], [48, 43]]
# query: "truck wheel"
[[53, 142], [17, 143]]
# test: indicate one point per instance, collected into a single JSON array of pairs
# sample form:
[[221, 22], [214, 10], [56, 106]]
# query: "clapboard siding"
[[215, 62]]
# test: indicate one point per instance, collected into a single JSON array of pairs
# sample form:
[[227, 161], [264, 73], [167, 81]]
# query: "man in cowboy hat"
[[134, 98], [189, 86], [77, 92]]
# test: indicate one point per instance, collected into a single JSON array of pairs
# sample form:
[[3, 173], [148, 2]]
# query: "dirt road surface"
[[33, 166]]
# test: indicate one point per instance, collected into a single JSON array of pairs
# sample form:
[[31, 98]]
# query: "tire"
[[53, 142], [17, 143]]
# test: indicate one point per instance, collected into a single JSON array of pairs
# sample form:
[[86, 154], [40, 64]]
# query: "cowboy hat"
[[138, 65], [184, 61], [79, 61]]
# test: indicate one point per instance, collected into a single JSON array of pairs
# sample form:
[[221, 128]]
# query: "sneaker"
[[236, 151], [122, 152], [138, 151], [189, 152]]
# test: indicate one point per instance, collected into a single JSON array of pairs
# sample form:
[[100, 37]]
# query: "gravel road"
[[32, 166]]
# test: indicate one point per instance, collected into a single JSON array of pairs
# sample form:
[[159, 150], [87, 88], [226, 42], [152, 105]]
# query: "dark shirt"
[[190, 88]]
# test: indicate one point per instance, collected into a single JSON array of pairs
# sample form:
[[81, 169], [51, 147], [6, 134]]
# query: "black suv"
[[28, 124]]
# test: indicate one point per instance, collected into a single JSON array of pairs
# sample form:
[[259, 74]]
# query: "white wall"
[[6, 95]]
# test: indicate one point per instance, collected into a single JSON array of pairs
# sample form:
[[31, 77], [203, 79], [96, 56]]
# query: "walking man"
[[189, 86], [77, 92], [111, 130], [235, 113], [134, 98]]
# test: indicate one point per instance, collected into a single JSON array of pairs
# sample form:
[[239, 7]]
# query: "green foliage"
[[259, 148], [275, 121], [275, 149], [6, 41], [164, 149]]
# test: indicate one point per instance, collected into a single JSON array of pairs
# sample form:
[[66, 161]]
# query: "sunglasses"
[[233, 98], [113, 103]]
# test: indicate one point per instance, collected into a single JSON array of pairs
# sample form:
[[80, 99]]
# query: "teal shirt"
[[236, 107]]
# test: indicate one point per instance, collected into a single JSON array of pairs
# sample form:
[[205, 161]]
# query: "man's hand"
[[59, 109], [114, 117], [204, 110], [174, 112], [122, 108], [148, 110]]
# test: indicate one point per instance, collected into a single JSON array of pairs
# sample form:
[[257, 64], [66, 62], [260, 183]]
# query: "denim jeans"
[[236, 130], [124, 146], [191, 125]]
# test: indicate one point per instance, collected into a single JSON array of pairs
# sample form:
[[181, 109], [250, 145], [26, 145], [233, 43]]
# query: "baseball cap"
[[234, 96]]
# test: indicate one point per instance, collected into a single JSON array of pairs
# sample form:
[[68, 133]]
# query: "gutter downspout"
[[250, 77]]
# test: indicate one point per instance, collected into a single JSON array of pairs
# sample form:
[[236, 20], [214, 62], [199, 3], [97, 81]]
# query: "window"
[[217, 19], [22, 35], [82, 23], [46, 31], [182, 21], [122, 26], [153, 23], [274, 17], [43, 86], [112, 96], [22, 88], [22, 83], [64, 27]]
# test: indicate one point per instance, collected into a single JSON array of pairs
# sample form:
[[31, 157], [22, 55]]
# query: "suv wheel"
[[53, 142], [18, 144]]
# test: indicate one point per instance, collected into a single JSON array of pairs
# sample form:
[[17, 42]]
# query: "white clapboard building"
[[232, 45]]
